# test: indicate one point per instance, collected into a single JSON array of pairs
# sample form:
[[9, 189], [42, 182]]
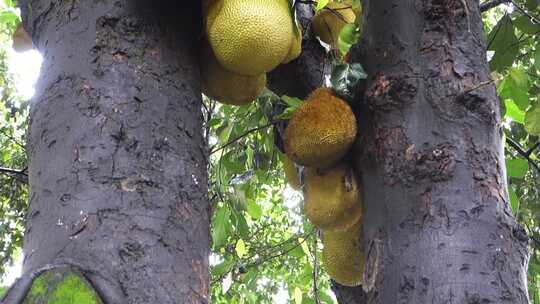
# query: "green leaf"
[[524, 24], [254, 210], [321, 4], [348, 36], [532, 4], [292, 101], [514, 200], [304, 245], [537, 57], [222, 268], [345, 77], [222, 226], [241, 226], [297, 296], [515, 86], [513, 111], [532, 120], [240, 248], [517, 167], [502, 39], [293, 104]]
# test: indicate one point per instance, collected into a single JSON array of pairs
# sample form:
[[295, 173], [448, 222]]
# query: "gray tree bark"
[[438, 227], [118, 181]]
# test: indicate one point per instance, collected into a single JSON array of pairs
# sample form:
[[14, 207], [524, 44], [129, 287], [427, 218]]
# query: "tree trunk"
[[118, 182], [438, 227]]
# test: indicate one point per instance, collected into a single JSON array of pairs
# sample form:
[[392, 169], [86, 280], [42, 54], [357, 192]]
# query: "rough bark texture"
[[117, 158], [438, 227]]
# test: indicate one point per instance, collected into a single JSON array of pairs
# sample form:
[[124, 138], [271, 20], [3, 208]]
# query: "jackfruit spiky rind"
[[343, 255], [250, 37], [225, 86], [332, 198], [296, 46], [291, 174], [321, 131], [328, 22]]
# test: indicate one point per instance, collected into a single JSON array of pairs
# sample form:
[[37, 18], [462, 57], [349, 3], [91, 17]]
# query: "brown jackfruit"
[[321, 131], [343, 255], [250, 37], [291, 174], [328, 22], [332, 198], [225, 86]]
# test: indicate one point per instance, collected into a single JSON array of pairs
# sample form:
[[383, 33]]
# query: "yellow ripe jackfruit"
[[321, 131], [250, 37], [332, 198], [329, 21], [296, 46], [225, 86], [291, 174], [343, 255]]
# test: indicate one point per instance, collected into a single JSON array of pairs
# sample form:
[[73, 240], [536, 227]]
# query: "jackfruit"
[[296, 46], [321, 131], [225, 86], [329, 21], [291, 174], [332, 198], [21, 40], [250, 37], [343, 255]]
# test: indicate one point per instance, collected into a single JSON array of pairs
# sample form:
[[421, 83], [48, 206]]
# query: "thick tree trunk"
[[438, 228], [117, 158]]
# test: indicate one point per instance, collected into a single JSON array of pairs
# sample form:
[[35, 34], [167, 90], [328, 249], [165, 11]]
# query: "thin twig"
[[478, 86], [524, 12], [13, 171], [487, 5], [12, 139], [240, 137], [519, 149], [531, 150]]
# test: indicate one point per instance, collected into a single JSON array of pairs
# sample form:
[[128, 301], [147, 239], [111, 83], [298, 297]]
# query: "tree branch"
[[525, 154], [524, 12], [13, 171], [12, 139], [531, 150], [240, 137], [487, 5]]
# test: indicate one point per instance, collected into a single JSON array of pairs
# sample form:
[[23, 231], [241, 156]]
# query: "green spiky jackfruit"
[[225, 86], [321, 131], [332, 198], [328, 22], [343, 255], [250, 37]]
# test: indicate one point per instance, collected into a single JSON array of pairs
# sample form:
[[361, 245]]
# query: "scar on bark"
[[390, 92]]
